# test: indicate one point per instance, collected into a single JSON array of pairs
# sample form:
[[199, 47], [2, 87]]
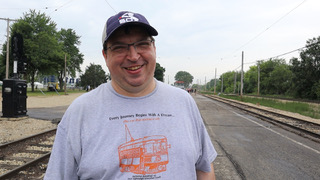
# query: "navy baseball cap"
[[125, 18]]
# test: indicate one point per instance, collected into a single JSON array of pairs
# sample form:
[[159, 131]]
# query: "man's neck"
[[135, 91]]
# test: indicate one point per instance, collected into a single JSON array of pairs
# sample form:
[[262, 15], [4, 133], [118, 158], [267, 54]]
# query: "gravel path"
[[16, 128]]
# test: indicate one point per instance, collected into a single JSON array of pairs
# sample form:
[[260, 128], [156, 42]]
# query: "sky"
[[205, 37]]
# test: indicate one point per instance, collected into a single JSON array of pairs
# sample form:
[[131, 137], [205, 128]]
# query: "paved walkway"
[[48, 107], [224, 168], [250, 148]]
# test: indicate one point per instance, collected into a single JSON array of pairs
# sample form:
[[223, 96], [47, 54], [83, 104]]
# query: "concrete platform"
[[249, 148]]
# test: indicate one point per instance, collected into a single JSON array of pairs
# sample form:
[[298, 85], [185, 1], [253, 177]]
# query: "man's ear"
[[104, 55]]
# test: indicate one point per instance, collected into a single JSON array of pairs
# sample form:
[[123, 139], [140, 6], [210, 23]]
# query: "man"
[[133, 127]]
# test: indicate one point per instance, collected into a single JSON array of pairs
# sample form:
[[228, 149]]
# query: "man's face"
[[131, 71]]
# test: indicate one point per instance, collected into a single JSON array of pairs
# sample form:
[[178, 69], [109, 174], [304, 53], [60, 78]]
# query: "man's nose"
[[132, 53]]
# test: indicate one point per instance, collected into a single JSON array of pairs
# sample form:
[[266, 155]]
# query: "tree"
[[184, 76], [41, 47], [3, 62], [275, 77], [69, 42], [209, 85], [228, 82], [281, 77], [307, 71], [94, 76], [159, 72], [251, 80]]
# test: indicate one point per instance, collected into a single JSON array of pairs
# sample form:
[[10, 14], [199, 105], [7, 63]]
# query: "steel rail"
[[26, 138], [270, 119], [15, 171]]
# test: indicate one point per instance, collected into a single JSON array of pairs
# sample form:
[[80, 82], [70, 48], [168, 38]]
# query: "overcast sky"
[[194, 36]]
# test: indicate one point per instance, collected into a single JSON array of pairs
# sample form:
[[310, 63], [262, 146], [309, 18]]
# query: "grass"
[[306, 109], [296, 107], [37, 92]]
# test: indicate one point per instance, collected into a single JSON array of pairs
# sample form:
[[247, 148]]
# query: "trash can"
[[14, 98]]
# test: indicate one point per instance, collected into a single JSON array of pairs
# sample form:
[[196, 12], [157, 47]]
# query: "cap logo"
[[127, 17]]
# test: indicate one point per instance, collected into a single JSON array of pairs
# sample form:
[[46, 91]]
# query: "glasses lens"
[[119, 48], [142, 46]]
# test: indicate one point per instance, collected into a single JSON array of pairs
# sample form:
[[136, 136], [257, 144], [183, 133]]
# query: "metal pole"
[[205, 83], [7, 61], [215, 81], [241, 90], [258, 78], [235, 82], [65, 77], [222, 83]]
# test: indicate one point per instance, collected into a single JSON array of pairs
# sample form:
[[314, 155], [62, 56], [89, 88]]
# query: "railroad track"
[[26, 158], [302, 127]]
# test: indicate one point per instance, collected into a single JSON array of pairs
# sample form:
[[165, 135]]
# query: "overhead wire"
[[19, 8], [258, 35], [274, 57], [307, 46], [56, 9], [110, 6]]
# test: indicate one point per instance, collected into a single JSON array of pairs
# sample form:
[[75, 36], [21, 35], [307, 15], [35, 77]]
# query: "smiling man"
[[134, 127], [131, 60]]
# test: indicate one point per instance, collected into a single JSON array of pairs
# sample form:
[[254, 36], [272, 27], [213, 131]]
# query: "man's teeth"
[[133, 68]]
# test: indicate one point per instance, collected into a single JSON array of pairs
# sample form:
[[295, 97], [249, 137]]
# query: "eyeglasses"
[[140, 47]]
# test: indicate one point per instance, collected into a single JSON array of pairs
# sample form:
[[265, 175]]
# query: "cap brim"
[[152, 31]]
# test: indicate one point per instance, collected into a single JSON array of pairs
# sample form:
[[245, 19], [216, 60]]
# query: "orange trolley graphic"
[[147, 155]]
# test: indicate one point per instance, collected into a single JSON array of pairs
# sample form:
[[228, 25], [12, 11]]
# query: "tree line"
[[300, 78], [46, 50]]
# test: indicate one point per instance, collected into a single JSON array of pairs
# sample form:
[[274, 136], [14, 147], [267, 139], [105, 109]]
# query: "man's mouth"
[[133, 68]]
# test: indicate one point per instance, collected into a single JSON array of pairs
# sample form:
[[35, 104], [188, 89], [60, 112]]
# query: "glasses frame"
[[131, 44]]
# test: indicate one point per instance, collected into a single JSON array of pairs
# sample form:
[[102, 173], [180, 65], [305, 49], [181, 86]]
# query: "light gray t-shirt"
[[104, 135]]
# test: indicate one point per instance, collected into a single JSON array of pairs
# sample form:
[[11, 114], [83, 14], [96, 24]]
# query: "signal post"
[[14, 90]]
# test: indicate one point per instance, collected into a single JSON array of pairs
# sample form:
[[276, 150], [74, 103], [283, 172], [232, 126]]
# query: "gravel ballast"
[[16, 128]]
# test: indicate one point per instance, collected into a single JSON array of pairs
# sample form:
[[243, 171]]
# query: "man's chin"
[[139, 82], [136, 83]]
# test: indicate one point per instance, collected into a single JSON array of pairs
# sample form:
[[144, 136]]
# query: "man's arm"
[[206, 175]]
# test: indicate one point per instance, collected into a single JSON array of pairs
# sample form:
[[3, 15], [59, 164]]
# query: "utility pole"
[[65, 72], [221, 83], [215, 81], [241, 90], [205, 83], [258, 78], [235, 83], [8, 32]]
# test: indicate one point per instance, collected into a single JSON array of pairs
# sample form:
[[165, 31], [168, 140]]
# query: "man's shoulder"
[[172, 89], [168, 87], [92, 95]]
